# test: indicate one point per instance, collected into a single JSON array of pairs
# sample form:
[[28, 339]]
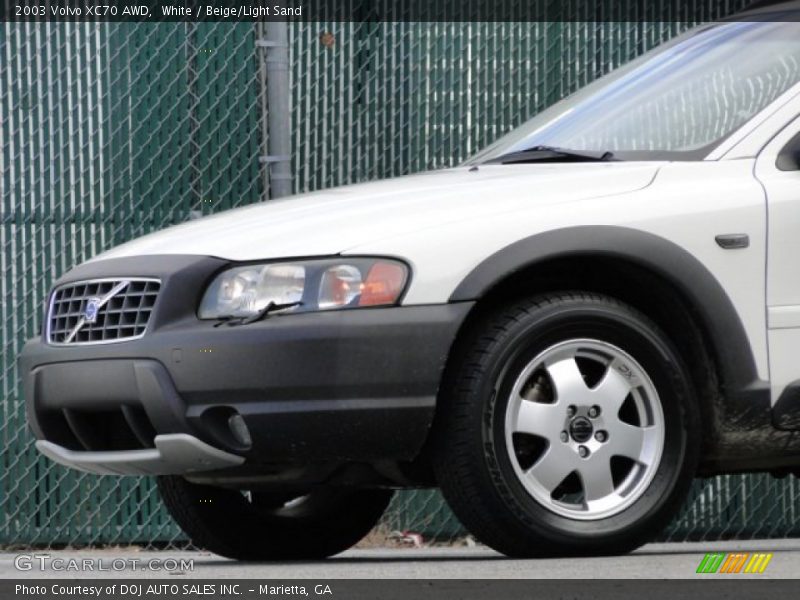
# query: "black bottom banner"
[[390, 589]]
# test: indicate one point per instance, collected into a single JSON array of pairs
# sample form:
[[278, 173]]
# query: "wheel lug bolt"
[[564, 437], [571, 410], [601, 436], [583, 451], [594, 411]]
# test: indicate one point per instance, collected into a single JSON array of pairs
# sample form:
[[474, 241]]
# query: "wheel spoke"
[[596, 478], [567, 381], [552, 468], [538, 418], [628, 440], [612, 390]]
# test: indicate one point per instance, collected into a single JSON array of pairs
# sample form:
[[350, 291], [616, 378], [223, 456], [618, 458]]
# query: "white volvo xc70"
[[559, 334]]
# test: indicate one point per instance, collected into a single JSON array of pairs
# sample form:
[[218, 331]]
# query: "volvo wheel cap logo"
[[581, 429], [91, 310]]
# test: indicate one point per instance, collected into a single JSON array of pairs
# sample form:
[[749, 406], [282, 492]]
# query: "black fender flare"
[[665, 259]]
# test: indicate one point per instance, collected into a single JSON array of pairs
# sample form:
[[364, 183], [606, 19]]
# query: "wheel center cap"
[[581, 429]]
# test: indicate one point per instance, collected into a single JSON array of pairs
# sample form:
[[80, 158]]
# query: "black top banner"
[[396, 10]]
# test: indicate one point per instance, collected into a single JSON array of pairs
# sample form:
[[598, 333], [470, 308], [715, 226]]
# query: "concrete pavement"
[[678, 560]]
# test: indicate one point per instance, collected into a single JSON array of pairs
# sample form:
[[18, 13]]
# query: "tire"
[[272, 526], [567, 426]]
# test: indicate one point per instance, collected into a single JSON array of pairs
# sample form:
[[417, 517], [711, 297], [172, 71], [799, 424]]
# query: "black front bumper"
[[350, 385]]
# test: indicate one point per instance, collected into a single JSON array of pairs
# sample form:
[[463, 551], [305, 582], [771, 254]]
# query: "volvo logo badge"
[[91, 310], [581, 429]]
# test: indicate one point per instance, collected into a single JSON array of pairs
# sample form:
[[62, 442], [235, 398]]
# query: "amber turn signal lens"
[[383, 285]]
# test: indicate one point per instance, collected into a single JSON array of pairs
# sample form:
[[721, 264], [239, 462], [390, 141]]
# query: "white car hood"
[[334, 221]]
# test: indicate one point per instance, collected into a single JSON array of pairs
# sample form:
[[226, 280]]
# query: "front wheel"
[[568, 426], [270, 526]]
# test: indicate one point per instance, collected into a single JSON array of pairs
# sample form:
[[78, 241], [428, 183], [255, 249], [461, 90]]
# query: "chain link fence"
[[110, 131]]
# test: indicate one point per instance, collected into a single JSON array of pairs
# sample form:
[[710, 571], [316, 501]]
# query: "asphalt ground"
[[677, 560]]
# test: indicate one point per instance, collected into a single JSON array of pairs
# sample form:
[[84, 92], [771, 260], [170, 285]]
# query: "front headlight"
[[306, 285]]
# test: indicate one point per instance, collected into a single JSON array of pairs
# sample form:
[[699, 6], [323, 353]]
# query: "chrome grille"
[[101, 310]]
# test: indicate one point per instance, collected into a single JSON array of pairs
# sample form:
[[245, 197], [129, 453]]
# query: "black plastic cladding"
[[656, 254], [374, 372], [746, 438]]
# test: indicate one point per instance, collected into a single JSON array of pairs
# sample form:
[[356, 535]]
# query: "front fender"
[[663, 258]]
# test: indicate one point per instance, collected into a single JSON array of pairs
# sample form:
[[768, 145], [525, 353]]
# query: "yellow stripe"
[[749, 567], [758, 562], [766, 562]]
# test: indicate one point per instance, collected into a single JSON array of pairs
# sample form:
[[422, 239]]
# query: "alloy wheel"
[[584, 429]]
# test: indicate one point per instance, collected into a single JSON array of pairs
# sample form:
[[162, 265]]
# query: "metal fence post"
[[279, 141]]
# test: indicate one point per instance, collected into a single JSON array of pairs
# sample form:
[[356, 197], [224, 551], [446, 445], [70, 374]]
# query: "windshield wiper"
[[552, 154], [272, 307]]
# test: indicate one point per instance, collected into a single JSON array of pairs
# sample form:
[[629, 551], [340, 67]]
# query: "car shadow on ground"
[[399, 556], [346, 560]]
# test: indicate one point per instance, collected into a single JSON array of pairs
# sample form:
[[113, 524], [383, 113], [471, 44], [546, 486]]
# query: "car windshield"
[[677, 102]]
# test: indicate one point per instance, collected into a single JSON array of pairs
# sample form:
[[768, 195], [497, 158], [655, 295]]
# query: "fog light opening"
[[227, 428], [239, 430]]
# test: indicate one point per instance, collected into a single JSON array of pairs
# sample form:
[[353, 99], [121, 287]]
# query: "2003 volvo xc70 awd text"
[[560, 333]]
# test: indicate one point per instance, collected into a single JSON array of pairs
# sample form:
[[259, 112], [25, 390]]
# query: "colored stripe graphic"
[[710, 562], [734, 562], [758, 563], [741, 561]]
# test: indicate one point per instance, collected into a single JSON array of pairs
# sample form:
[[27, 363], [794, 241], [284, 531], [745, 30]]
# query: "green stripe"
[[701, 568], [711, 562], [707, 559], [718, 562]]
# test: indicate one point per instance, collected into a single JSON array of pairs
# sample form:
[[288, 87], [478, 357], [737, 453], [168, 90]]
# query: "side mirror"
[[789, 157]]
